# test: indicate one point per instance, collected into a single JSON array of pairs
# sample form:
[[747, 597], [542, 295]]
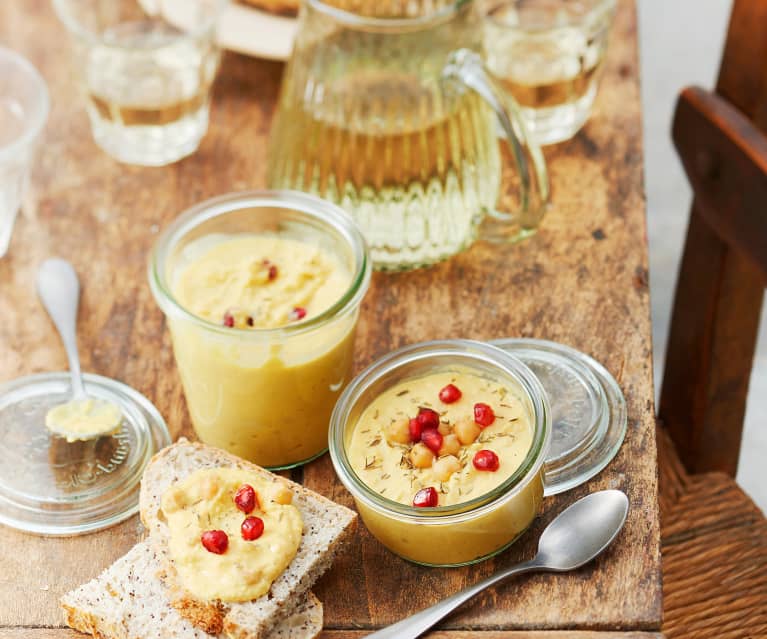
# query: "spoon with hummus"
[[83, 417]]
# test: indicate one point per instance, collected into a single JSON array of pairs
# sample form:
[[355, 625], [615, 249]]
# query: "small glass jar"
[[263, 394], [470, 531]]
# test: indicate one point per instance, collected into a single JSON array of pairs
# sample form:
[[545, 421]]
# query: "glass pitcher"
[[387, 110]]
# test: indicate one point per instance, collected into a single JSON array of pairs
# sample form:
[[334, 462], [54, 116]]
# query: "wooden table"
[[582, 281]]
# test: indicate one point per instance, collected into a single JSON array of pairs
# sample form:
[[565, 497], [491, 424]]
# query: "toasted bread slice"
[[326, 525], [129, 601]]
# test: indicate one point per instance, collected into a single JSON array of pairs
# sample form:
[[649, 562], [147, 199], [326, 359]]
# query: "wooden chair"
[[714, 538]]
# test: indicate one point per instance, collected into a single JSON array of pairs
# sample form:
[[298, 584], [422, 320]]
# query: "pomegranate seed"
[[245, 498], [298, 313], [228, 319], [252, 528], [415, 430], [450, 394], [428, 418], [272, 272], [432, 438], [426, 498], [215, 541], [486, 460], [483, 415]]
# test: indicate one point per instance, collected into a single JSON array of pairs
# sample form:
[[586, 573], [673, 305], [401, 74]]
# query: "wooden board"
[[582, 281]]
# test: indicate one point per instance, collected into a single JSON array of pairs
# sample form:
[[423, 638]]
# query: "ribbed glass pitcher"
[[387, 110]]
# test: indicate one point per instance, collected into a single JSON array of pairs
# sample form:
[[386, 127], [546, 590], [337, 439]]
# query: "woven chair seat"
[[714, 546]]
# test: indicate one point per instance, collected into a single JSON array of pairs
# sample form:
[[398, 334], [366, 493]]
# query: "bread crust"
[[129, 601], [178, 461]]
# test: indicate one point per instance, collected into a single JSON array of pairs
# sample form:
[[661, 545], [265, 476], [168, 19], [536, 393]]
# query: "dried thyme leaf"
[[375, 441], [403, 392]]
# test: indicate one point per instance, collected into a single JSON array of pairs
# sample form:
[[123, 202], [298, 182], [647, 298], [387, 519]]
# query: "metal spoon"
[[83, 417], [577, 535]]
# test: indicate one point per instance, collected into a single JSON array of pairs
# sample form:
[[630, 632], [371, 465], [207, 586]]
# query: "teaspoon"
[[577, 535], [83, 417]]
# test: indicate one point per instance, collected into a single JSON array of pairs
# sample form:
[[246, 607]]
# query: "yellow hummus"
[[266, 398], [204, 501], [84, 419], [260, 277], [386, 465]]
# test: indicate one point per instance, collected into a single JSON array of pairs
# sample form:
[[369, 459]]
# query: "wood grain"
[[581, 280]]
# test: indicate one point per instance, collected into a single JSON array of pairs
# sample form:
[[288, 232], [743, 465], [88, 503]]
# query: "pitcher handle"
[[465, 67]]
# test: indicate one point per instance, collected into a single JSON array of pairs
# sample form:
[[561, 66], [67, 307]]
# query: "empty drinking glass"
[[24, 106], [147, 67]]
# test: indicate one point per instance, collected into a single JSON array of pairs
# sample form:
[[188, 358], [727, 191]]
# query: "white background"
[[681, 43]]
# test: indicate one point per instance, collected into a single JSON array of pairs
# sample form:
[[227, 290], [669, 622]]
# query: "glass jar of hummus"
[[495, 489], [261, 291]]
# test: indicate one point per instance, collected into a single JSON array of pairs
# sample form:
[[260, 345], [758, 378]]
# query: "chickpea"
[[467, 430], [421, 456], [444, 428], [450, 445], [283, 496], [398, 432], [208, 488], [173, 501], [446, 466]]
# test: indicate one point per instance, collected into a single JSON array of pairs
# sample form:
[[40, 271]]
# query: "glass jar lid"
[[588, 410], [53, 487]]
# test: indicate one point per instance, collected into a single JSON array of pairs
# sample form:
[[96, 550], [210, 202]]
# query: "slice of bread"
[[129, 601], [326, 525]]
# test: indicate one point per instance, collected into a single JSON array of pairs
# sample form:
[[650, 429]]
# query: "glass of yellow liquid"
[[387, 110], [548, 55], [147, 67]]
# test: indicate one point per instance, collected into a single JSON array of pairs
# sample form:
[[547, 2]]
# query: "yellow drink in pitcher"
[[417, 172]]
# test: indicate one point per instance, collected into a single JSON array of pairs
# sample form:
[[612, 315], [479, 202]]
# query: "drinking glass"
[[386, 109], [147, 67], [548, 55], [24, 106]]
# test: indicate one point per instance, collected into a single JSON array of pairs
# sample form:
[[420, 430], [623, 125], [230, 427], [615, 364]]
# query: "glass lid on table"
[[72, 446], [588, 410], [52, 486]]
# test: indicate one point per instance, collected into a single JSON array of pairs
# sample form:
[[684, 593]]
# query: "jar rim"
[[462, 349], [311, 206]]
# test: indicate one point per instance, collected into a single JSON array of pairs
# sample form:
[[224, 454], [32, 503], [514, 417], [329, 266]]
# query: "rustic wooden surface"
[[715, 318], [582, 281]]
